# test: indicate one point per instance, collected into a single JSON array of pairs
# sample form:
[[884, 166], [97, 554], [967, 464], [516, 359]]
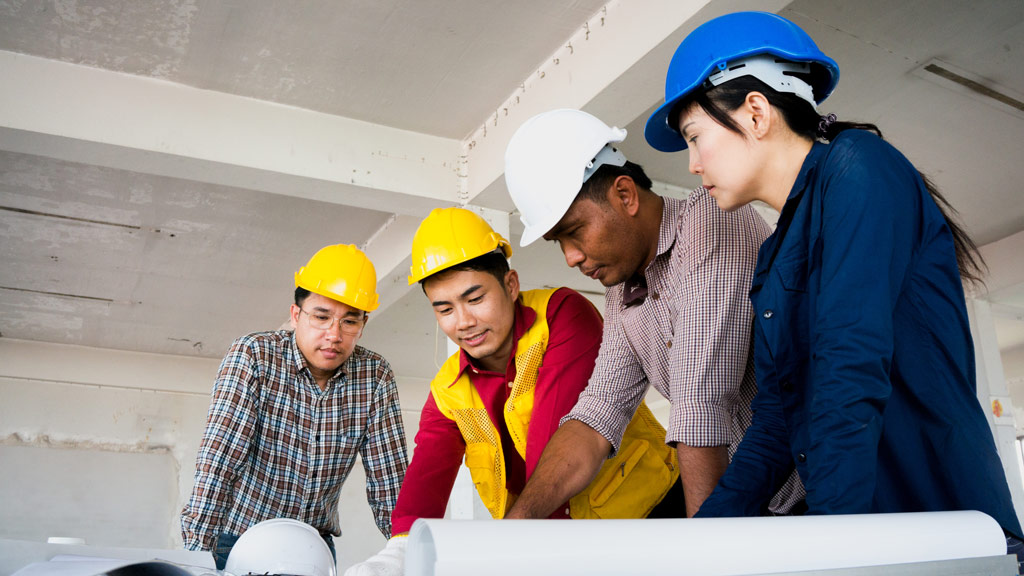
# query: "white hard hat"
[[549, 158], [281, 546]]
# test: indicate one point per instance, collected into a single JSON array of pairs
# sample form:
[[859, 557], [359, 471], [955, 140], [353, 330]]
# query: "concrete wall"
[[101, 444], [1013, 368]]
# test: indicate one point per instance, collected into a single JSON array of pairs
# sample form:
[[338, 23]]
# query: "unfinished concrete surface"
[[165, 168]]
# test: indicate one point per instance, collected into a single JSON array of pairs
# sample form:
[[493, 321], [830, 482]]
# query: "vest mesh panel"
[[527, 366], [476, 427]]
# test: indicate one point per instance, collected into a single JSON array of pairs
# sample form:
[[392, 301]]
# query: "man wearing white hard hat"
[[677, 316]]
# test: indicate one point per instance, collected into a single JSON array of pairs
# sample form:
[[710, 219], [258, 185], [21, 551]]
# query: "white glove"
[[388, 562]]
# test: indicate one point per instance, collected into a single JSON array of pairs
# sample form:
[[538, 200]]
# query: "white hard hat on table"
[[281, 546]]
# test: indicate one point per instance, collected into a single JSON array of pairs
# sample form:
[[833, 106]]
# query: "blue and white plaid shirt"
[[276, 446]]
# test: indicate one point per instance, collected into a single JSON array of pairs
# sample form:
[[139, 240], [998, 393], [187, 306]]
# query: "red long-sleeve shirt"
[[575, 337]]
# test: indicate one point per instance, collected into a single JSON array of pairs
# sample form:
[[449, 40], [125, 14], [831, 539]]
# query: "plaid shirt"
[[689, 336], [276, 446]]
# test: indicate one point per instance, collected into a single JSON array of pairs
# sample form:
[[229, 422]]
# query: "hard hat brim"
[[530, 236], [657, 131]]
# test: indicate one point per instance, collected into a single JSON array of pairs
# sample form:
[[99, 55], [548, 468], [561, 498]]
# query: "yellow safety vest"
[[629, 485]]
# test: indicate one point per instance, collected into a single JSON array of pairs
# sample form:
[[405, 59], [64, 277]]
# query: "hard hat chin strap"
[[773, 71], [607, 155]]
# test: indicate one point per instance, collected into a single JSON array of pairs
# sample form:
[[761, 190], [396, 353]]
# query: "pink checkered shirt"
[[689, 338]]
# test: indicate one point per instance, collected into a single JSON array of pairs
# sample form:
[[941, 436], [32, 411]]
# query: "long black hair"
[[802, 119]]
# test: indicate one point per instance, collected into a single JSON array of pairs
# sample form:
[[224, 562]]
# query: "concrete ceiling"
[[166, 166]]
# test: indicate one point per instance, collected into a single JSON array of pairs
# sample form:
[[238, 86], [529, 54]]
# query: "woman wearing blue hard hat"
[[863, 352]]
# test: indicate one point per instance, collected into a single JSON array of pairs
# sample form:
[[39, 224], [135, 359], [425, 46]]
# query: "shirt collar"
[[818, 150], [767, 251], [670, 211], [634, 290], [525, 317]]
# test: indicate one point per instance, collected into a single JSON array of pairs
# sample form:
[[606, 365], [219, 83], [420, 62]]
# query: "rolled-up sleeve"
[[712, 327]]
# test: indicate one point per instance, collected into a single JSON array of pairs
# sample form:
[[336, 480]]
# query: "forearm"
[[567, 465], [699, 469]]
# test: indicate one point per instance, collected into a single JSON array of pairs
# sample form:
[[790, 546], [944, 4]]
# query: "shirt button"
[[566, 511], [668, 344], [787, 386], [768, 314], [509, 384], [801, 457], [317, 437], [655, 296]]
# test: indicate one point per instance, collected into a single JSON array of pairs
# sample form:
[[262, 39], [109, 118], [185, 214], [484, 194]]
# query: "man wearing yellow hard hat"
[[524, 358], [290, 411]]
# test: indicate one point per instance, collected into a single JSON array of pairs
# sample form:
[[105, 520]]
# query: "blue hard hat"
[[721, 41]]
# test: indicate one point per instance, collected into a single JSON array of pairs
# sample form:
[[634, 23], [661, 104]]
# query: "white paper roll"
[[705, 546]]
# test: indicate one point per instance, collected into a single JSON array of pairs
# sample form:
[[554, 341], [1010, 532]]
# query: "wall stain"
[[47, 441]]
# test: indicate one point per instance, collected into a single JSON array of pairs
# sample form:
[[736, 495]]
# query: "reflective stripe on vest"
[[627, 486]]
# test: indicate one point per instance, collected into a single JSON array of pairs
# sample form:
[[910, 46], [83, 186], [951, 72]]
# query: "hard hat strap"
[[777, 73], [607, 155]]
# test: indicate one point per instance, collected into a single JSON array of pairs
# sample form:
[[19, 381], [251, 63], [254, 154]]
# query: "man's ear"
[[623, 194], [512, 283], [293, 317]]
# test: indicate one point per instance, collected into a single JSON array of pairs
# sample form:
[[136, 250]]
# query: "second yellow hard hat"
[[451, 236]]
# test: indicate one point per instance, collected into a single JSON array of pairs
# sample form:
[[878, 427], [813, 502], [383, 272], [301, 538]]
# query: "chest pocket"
[[339, 452], [781, 309]]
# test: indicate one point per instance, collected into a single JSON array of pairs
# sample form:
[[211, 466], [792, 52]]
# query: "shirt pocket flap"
[[793, 274]]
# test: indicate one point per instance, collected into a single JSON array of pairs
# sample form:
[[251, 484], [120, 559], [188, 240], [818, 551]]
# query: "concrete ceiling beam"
[[605, 68], [93, 116], [389, 250]]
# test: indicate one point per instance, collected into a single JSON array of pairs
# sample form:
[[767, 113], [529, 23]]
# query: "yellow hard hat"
[[341, 272], [451, 236]]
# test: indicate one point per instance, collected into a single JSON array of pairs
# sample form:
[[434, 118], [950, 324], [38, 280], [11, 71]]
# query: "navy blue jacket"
[[865, 364]]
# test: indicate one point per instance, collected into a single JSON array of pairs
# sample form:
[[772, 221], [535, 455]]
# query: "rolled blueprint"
[[703, 546]]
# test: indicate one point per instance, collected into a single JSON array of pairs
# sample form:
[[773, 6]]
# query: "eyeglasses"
[[321, 321]]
